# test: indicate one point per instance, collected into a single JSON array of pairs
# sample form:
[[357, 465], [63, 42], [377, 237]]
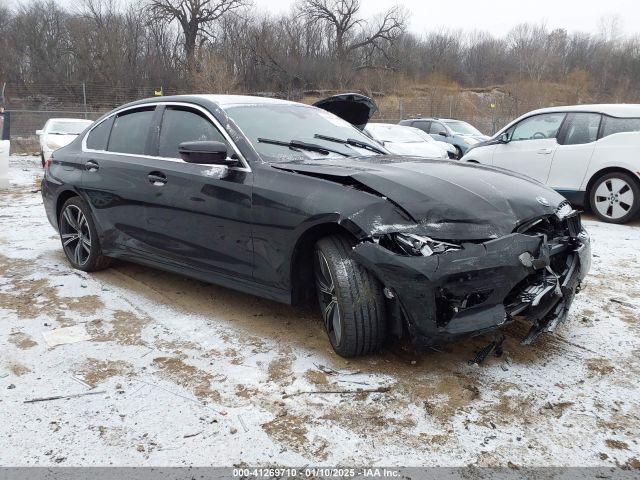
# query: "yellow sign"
[[158, 93]]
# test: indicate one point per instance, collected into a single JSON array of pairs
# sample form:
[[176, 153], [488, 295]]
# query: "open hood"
[[450, 200], [355, 108]]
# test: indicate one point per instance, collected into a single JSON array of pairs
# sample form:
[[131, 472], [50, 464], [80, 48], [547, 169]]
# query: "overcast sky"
[[496, 16], [499, 16]]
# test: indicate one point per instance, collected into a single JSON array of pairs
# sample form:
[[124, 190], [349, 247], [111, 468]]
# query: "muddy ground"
[[185, 373]]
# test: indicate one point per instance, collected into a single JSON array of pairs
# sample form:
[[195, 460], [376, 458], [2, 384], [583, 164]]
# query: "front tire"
[[615, 197], [79, 237], [350, 297]]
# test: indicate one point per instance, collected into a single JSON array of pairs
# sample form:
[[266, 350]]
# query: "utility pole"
[[84, 99]]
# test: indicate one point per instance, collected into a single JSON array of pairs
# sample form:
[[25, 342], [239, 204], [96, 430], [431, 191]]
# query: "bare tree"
[[195, 18], [347, 33]]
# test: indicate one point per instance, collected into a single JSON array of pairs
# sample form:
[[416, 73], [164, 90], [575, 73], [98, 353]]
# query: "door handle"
[[157, 178], [92, 166], [545, 151]]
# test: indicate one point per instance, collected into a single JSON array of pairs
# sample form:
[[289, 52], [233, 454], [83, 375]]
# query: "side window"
[[611, 125], [99, 136], [184, 125], [422, 125], [130, 130], [580, 128], [436, 128], [538, 127]]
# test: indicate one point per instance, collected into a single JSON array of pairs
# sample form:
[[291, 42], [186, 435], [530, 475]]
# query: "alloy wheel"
[[75, 234], [614, 198], [328, 299]]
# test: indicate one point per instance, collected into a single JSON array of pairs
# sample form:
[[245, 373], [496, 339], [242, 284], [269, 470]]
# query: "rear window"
[[613, 125], [129, 132]]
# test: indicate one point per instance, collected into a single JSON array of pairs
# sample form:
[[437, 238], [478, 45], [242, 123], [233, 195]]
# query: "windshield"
[[463, 128], [68, 128], [287, 122], [393, 133]]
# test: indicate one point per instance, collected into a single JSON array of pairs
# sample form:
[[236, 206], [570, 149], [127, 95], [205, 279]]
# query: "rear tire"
[[79, 237], [615, 197], [350, 297]]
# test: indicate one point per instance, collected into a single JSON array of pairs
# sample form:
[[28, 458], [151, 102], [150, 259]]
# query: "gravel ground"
[[185, 373]]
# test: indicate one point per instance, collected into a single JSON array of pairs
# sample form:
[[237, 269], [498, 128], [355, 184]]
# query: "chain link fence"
[[32, 105]]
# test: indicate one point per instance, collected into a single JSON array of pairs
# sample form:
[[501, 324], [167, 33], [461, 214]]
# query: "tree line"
[[227, 46]]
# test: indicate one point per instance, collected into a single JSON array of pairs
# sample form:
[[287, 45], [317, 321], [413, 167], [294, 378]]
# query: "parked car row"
[[588, 153]]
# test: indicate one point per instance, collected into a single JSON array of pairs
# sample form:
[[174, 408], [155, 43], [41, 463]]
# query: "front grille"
[[552, 226]]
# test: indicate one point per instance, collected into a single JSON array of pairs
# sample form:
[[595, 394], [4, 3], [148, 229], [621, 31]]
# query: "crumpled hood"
[[447, 199]]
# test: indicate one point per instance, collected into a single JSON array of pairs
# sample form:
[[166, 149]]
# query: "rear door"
[[531, 146], [576, 144], [115, 180]]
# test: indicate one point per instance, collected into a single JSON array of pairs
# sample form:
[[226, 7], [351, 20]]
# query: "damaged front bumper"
[[483, 285]]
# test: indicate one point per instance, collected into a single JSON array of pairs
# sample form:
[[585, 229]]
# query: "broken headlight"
[[415, 245], [564, 211]]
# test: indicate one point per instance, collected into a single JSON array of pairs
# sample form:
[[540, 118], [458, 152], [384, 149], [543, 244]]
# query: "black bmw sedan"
[[293, 202]]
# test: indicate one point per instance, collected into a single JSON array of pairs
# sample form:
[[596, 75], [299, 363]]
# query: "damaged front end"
[[443, 289]]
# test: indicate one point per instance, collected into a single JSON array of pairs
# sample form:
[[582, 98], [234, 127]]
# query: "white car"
[[452, 152], [588, 153], [404, 141], [5, 147], [58, 132]]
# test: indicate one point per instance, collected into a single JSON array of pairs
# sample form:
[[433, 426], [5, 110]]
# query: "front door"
[[531, 146], [204, 219]]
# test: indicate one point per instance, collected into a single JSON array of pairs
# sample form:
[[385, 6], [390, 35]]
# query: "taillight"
[[48, 162]]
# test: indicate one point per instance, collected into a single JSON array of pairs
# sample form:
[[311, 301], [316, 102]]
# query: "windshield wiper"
[[312, 147], [352, 142]]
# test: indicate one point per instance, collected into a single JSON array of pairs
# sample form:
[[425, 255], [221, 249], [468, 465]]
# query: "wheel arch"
[[62, 198], [605, 171], [301, 273]]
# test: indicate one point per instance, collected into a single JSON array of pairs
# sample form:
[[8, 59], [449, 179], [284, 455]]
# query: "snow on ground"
[[195, 374]]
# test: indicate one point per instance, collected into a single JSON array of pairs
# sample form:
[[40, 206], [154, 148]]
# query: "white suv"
[[588, 153]]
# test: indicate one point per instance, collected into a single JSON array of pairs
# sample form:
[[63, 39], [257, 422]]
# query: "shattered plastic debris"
[[494, 346], [65, 335]]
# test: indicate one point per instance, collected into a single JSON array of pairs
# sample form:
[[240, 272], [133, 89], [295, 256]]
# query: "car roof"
[[613, 109], [435, 119], [228, 100], [220, 100], [387, 124], [64, 119]]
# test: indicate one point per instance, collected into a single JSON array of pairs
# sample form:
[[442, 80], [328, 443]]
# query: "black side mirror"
[[443, 133], [206, 152]]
